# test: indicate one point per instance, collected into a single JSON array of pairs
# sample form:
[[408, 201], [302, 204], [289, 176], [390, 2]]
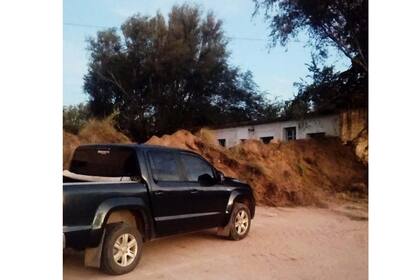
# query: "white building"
[[310, 127]]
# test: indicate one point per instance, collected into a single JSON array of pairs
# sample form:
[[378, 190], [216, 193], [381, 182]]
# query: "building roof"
[[275, 120]]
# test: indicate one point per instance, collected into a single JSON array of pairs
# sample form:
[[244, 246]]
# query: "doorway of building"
[[290, 133]]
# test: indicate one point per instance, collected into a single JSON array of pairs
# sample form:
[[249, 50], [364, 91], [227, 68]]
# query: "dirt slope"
[[94, 132], [354, 130], [70, 143], [302, 172]]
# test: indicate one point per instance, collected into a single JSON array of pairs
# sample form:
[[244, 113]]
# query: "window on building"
[[222, 142], [195, 167], [164, 166], [267, 139], [290, 133]]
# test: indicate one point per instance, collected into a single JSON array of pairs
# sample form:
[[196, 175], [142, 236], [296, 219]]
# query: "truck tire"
[[240, 221], [122, 249]]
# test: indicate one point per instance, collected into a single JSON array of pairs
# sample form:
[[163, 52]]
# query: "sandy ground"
[[284, 243]]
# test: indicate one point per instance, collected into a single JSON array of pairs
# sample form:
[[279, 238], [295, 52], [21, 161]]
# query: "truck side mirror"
[[206, 180], [220, 176]]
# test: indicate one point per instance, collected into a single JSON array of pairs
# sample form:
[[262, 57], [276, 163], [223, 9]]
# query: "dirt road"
[[284, 243]]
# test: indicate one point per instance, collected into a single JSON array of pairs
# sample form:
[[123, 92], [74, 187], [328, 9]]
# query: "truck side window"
[[195, 167], [164, 166]]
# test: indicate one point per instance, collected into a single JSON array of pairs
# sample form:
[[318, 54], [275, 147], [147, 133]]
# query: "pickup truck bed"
[[84, 224]]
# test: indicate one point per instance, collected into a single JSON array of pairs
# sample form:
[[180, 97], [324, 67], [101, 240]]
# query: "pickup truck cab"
[[116, 197]]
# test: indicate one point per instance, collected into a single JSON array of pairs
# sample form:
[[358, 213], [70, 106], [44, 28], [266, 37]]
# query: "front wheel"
[[121, 249], [240, 222]]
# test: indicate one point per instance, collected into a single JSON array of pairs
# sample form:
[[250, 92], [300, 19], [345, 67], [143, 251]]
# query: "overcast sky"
[[275, 69]]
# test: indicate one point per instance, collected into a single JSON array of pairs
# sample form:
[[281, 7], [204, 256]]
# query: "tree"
[[328, 92], [341, 24], [162, 75], [74, 117]]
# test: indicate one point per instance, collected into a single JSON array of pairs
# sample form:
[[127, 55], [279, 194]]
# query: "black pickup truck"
[[116, 197]]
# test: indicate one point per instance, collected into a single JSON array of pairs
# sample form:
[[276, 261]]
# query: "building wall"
[[353, 122], [330, 125]]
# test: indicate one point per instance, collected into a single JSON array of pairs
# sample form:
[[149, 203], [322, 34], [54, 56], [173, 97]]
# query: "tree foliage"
[[75, 117], [161, 75], [341, 24], [328, 92]]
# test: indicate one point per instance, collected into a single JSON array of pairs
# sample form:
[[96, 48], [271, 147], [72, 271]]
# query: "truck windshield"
[[106, 162]]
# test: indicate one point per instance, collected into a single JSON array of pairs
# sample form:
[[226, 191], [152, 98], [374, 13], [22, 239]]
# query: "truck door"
[[170, 195], [209, 198]]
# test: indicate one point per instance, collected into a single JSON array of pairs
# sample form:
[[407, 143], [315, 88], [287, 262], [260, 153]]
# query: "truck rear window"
[[106, 162]]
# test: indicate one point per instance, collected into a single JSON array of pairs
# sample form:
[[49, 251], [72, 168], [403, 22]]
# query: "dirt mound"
[[181, 139], [354, 131], [101, 131], [361, 146], [70, 143], [94, 132], [302, 172]]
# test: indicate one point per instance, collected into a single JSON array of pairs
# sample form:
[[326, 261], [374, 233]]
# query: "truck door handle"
[[159, 193], [193, 191]]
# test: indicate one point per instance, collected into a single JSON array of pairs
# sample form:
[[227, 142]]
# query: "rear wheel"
[[121, 249], [240, 221]]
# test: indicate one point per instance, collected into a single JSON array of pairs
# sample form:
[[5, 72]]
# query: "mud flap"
[[223, 231], [93, 255]]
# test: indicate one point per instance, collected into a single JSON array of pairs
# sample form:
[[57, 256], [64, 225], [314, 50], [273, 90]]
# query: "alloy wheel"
[[241, 222], [125, 249]]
